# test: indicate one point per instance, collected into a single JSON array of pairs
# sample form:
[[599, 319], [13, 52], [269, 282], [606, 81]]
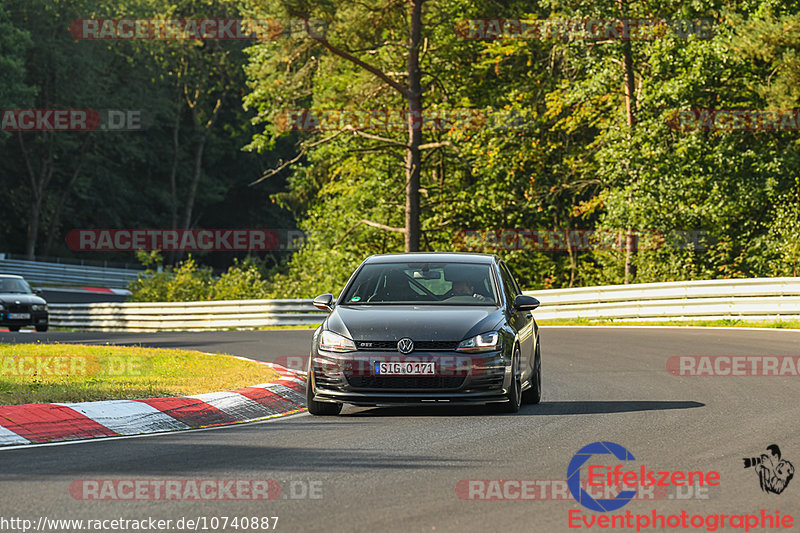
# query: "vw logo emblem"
[[405, 345]]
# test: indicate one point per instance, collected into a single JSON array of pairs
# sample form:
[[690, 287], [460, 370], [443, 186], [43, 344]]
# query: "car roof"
[[12, 276], [439, 257]]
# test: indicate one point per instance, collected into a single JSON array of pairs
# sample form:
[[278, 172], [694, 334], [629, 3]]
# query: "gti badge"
[[405, 345]]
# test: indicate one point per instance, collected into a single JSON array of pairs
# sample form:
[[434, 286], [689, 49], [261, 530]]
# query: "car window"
[[14, 286], [422, 283], [510, 288], [517, 288]]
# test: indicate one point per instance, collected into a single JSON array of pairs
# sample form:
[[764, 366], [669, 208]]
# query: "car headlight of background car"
[[485, 342], [333, 342], [37, 307]]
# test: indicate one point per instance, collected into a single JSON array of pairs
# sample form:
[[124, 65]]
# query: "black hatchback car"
[[20, 306], [426, 328]]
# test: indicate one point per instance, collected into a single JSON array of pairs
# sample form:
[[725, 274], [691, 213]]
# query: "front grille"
[[405, 382], [18, 308], [391, 346]]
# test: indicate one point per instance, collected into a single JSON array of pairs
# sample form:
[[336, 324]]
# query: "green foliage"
[[784, 234], [107, 179], [571, 162], [242, 281], [189, 282], [771, 37], [14, 44]]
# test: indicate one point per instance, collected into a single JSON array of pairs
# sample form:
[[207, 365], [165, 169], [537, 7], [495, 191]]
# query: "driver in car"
[[463, 287]]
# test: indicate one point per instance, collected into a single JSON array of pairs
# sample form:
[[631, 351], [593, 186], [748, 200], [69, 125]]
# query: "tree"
[[55, 66], [411, 92], [176, 169]]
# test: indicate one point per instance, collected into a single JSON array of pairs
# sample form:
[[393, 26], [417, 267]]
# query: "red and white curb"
[[39, 423], [123, 292]]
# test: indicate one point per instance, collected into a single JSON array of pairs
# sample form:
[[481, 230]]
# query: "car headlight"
[[333, 342], [39, 307], [485, 342]]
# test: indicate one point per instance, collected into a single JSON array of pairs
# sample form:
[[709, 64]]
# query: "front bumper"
[[460, 379], [37, 318]]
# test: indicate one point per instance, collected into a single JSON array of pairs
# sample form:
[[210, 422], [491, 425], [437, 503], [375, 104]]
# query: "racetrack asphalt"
[[398, 469]]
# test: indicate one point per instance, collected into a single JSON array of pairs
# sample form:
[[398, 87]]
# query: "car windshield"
[[14, 286], [422, 283]]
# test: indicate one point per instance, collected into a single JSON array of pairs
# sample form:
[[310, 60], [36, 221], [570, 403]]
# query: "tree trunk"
[[202, 136], [630, 112], [573, 263], [39, 181], [196, 174], [415, 122], [55, 220], [413, 96], [173, 171], [171, 256], [33, 227]]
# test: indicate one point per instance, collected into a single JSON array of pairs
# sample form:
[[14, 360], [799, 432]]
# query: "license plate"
[[19, 316], [405, 369]]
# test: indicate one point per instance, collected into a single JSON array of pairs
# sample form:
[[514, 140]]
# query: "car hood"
[[420, 323], [10, 298]]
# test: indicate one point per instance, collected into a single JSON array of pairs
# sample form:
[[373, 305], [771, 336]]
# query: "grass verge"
[[310, 327], [46, 373], [728, 322]]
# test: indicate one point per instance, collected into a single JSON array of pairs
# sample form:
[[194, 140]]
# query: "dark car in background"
[[20, 306], [426, 328]]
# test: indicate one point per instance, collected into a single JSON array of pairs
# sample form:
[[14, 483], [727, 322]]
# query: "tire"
[[319, 408], [514, 394], [41, 329], [13, 329], [534, 394]]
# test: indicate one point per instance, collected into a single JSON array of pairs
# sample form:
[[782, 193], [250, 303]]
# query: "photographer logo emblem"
[[774, 473], [574, 476]]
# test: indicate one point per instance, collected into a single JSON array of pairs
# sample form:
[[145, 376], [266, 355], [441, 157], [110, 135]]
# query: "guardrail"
[[746, 299], [749, 299], [45, 273], [185, 316]]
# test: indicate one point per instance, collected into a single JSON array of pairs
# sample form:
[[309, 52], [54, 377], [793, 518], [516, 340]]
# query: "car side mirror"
[[525, 303], [324, 302], [38, 291]]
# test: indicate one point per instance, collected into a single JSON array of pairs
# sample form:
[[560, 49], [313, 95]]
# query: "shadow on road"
[[180, 456], [542, 409], [601, 407]]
